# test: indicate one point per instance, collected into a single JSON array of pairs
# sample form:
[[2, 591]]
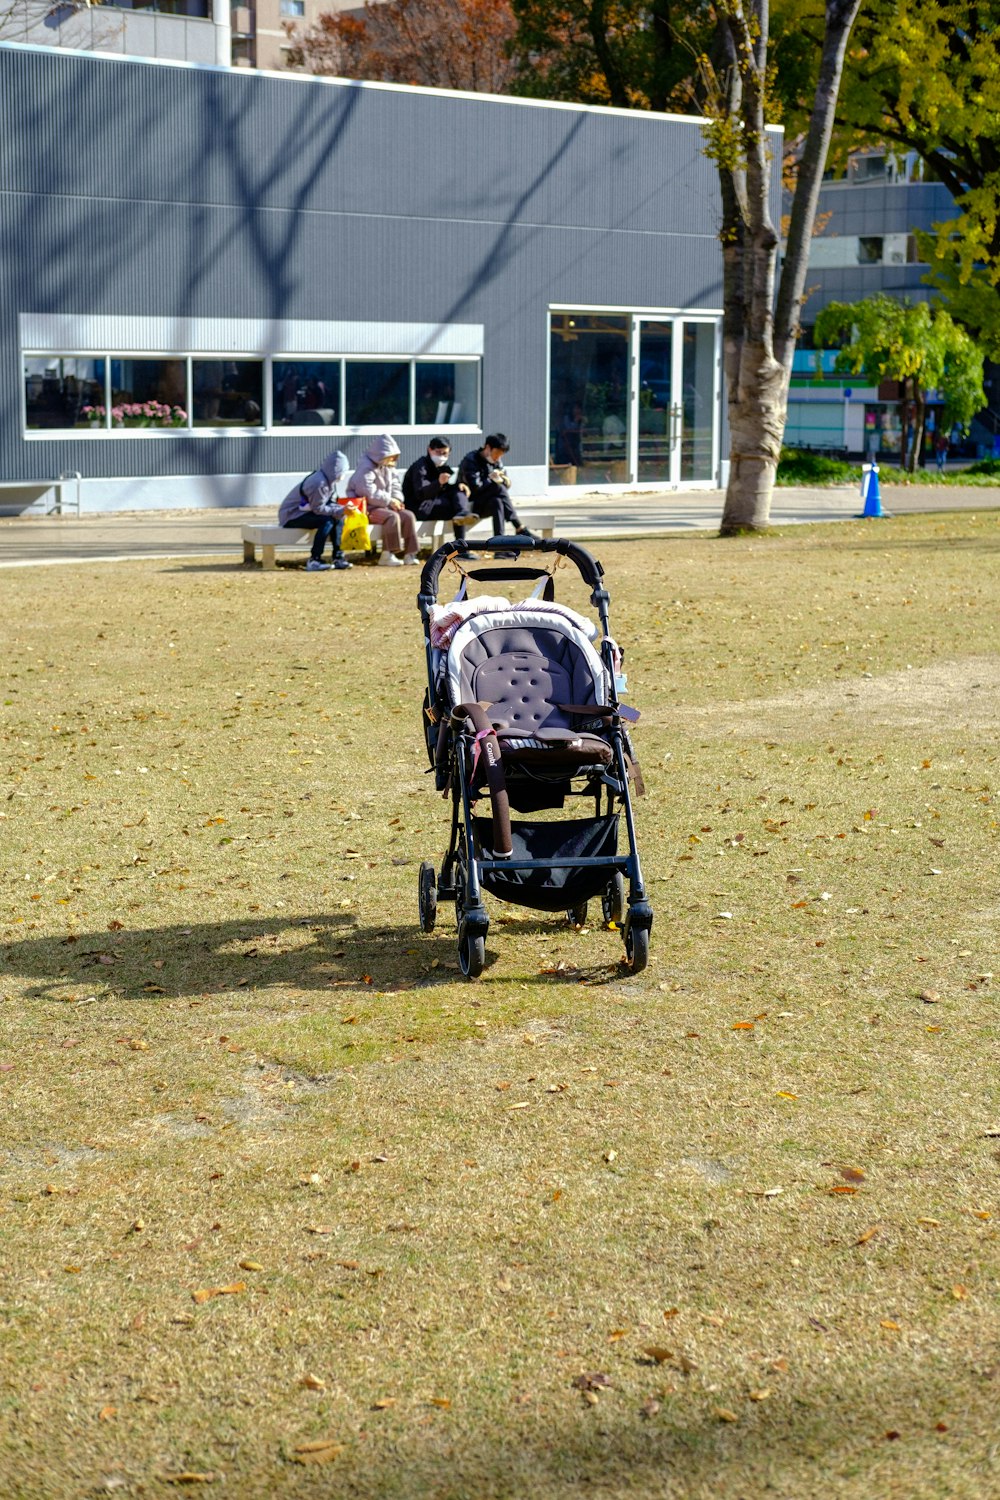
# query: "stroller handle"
[[589, 568]]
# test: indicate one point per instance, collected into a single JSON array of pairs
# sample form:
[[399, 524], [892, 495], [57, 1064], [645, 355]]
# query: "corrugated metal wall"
[[138, 188]]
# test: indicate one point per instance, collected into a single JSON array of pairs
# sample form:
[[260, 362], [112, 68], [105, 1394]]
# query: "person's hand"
[[349, 505], [395, 505], [464, 488]]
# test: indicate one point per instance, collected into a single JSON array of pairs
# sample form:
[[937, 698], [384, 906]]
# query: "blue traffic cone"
[[870, 492]]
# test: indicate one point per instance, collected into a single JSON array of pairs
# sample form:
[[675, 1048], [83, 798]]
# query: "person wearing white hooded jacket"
[[377, 482], [313, 504]]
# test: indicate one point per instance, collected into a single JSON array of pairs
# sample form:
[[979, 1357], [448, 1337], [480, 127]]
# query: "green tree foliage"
[[924, 75], [919, 346]]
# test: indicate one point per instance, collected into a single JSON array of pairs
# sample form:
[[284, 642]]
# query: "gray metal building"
[[212, 277]]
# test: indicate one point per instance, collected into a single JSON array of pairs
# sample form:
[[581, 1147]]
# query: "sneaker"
[[315, 566], [472, 520], [412, 560], [340, 563], [389, 560]]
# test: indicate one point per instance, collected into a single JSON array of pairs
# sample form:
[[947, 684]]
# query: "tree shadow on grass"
[[323, 952]]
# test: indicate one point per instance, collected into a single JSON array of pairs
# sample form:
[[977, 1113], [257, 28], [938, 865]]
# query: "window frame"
[[266, 426]]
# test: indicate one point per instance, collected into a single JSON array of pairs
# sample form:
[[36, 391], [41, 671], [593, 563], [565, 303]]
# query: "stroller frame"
[[462, 740]]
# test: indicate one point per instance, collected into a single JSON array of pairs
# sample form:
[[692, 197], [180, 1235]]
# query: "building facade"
[[243, 271], [869, 218]]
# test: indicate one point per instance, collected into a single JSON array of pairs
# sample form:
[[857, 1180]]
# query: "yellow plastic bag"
[[356, 536]]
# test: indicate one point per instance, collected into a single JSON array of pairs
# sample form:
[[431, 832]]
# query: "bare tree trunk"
[[904, 426], [758, 336]]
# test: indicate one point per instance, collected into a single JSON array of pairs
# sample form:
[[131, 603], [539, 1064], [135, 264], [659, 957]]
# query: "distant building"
[[867, 244], [195, 31], [259, 36]]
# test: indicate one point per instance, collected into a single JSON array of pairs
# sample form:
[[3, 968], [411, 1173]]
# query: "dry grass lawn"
[[727, 1228]]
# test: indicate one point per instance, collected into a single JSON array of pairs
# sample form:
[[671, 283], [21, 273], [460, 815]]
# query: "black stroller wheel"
[[577, 914], [613, 899], [637, 947], [427, 896], [471, 955]]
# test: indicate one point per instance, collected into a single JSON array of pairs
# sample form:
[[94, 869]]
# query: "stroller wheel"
[[471, 955], [613, 899], [427, 895], [577, 914], [637, 947]]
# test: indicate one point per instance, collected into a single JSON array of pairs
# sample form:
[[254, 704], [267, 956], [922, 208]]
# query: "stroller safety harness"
[[522, 715]]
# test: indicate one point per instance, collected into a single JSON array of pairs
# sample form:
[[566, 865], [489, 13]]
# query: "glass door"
[[656, 414], [698, 402]]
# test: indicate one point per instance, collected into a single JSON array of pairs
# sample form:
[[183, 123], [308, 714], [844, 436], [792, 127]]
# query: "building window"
[[111, 391], [446, 392], [306, 393], [197, 8], [870, 250], [64, 392], [378, 393], [227, 392], [144, 391], [293, 7]]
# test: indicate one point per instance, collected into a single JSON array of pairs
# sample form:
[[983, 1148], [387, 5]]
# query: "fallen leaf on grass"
[[725, 1415], [189, 1476], [658, 1352], [319, 1229], [782, 1094], [312, 1383], [596, 1380], [869, 1234], [852, 1174], [841, 1188], [761, 1395], [317, 1453], [106, 1413], [207, 1293], [649, 1407], [763, 1192], [441, 1402], [743, 1025], [892, 1326], [959, 1292], [383, 1403], [251, 1265]]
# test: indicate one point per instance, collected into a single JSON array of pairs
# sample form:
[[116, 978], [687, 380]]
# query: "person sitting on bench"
[[313, 506], [482, 470], [430, 490]]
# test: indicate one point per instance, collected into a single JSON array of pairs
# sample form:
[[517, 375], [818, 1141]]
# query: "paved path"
[[588, 518]]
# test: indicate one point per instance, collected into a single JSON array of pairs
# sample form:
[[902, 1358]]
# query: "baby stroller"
[[522, 708]]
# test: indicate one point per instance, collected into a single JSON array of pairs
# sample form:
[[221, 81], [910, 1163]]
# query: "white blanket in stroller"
[[446, 618]]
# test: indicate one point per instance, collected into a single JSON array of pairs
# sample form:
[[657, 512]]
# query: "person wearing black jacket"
[[431, 491], [488, 484]]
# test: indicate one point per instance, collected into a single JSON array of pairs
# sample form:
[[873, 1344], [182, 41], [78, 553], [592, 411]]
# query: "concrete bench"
[[430, 534]]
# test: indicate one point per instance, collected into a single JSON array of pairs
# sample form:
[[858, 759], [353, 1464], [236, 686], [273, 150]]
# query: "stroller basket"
[[551, 889]]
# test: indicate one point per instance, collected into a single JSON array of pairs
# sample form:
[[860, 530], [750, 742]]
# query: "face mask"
[[439, 459]]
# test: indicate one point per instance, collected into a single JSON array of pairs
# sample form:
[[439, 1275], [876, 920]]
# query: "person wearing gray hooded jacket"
[[313, 505], [376, 482]]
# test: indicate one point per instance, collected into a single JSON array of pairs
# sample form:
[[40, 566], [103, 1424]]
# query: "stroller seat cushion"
[[504, 659]]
